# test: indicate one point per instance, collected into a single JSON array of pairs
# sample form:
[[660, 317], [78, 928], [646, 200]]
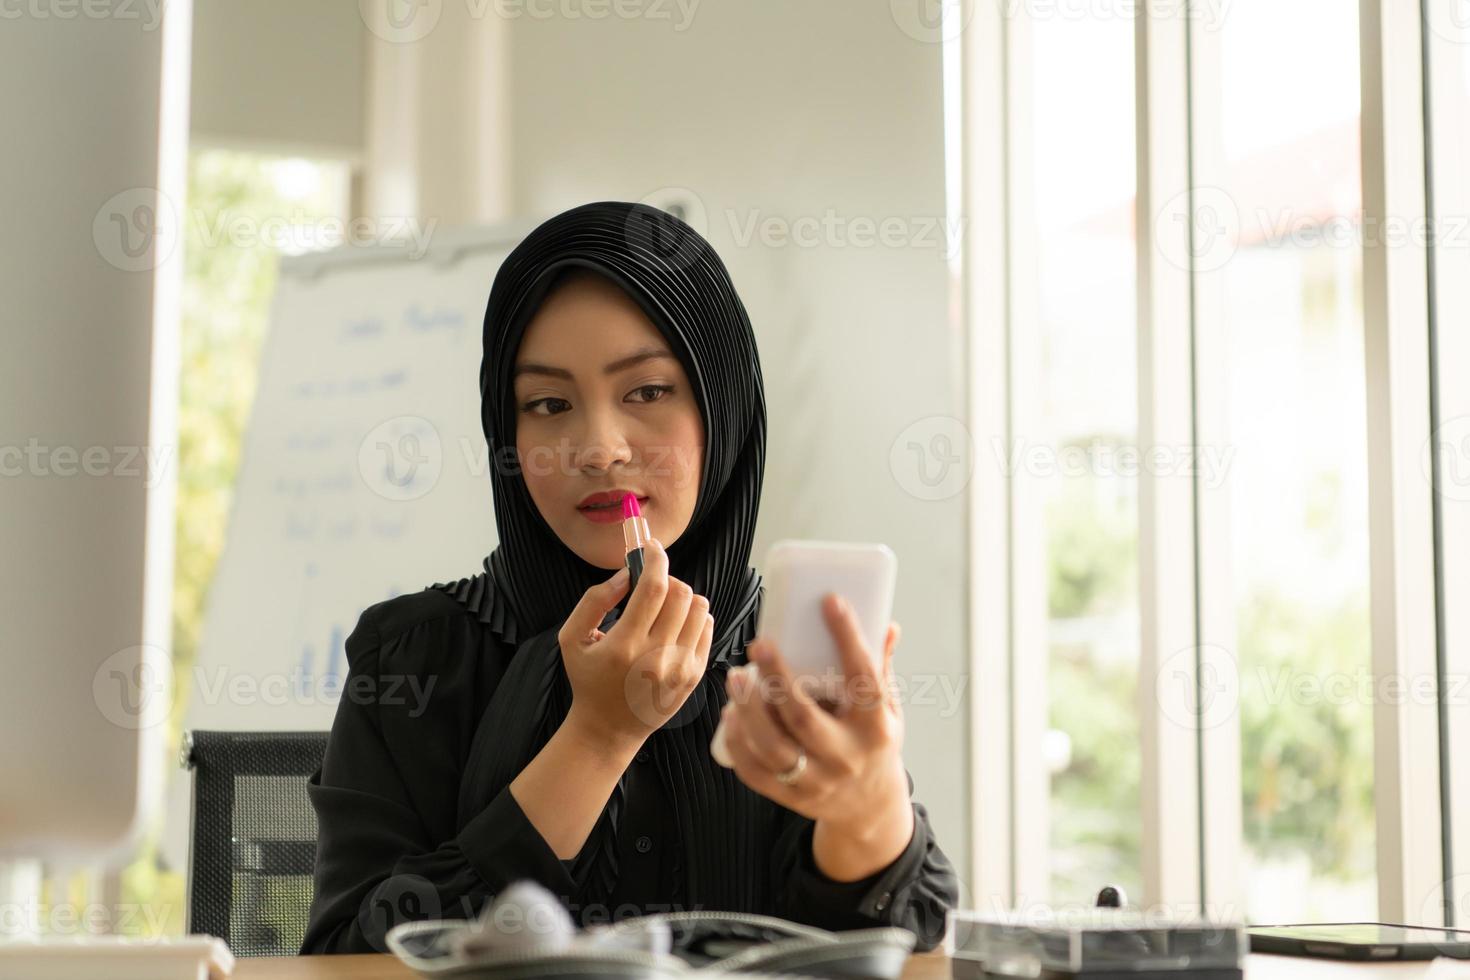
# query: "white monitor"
[[90, 270]]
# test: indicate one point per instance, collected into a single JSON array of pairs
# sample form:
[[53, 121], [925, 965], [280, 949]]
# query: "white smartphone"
[[797, 575]]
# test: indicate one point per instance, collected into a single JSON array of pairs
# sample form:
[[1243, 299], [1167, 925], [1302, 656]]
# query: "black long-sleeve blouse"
[[416, 819]]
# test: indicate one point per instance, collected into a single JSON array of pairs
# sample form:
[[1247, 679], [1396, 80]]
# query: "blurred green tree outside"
[[1306, 758]]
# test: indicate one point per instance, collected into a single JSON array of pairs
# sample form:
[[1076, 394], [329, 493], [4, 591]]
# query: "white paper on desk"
[[1448, 968]]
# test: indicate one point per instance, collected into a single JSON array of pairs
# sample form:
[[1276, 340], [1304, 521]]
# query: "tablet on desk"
[[1361, 941]]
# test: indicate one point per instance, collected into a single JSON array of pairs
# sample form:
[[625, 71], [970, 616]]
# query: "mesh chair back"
[[252, 837]]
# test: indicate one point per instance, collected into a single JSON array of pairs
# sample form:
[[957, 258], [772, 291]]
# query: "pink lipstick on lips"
[[635, 535]]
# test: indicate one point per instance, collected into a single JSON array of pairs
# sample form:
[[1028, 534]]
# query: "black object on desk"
[[1376, 941]]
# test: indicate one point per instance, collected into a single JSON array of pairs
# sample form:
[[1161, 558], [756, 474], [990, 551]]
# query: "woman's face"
[[603, 405]]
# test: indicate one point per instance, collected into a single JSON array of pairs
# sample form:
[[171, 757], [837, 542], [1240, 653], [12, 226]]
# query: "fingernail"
[[620, 577]]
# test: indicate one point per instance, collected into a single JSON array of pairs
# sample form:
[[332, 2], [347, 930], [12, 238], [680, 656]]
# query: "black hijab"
[[684, 289], [532, 580]]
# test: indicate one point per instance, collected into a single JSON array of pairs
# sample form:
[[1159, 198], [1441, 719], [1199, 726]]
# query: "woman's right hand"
[[630, 680]]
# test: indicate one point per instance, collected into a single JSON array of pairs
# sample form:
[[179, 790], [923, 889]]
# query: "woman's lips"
[[609, 513]]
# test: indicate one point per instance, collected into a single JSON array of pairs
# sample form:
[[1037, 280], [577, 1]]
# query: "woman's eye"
[[643, 395], [530, 408], [655, 391]]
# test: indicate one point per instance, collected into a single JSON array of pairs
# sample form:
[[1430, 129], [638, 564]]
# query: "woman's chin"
[[608, 561]]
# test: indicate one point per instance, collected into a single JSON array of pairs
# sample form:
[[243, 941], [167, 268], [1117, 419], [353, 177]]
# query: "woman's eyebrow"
[[637, 357]]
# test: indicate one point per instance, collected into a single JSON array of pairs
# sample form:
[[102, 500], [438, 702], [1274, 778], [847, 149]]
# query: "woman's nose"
[[603, 442]]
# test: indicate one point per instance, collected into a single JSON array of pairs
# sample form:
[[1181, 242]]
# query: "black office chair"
[[252, 837]]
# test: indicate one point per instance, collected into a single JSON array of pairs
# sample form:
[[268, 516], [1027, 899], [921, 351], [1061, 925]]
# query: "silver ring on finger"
[[790, 776]]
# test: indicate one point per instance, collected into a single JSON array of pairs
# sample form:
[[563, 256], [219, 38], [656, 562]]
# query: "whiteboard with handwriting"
[[364, 472]]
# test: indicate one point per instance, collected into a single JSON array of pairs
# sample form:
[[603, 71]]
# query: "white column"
[[1400, 516], [438, 140], [983, 192], [1449, 463], [1168, 679], [1030, 643], [1219, 643]]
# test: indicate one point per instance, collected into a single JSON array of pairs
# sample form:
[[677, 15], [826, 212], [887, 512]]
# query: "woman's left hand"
[[853, 783]]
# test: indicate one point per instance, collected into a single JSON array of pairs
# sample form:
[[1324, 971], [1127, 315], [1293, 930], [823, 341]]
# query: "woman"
[[564, 734]]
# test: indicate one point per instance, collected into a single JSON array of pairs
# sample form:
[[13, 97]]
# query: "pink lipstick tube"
[[635, 536]]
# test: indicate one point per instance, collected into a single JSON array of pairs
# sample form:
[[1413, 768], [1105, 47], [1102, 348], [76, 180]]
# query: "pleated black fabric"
[[683, 287], [708, 802], [398, 820]]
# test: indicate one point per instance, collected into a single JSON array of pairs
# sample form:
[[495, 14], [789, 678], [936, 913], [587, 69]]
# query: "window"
[[1289, 266], [1079, 339]]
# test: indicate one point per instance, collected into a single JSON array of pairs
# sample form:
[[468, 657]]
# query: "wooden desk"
[[922, 966]]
